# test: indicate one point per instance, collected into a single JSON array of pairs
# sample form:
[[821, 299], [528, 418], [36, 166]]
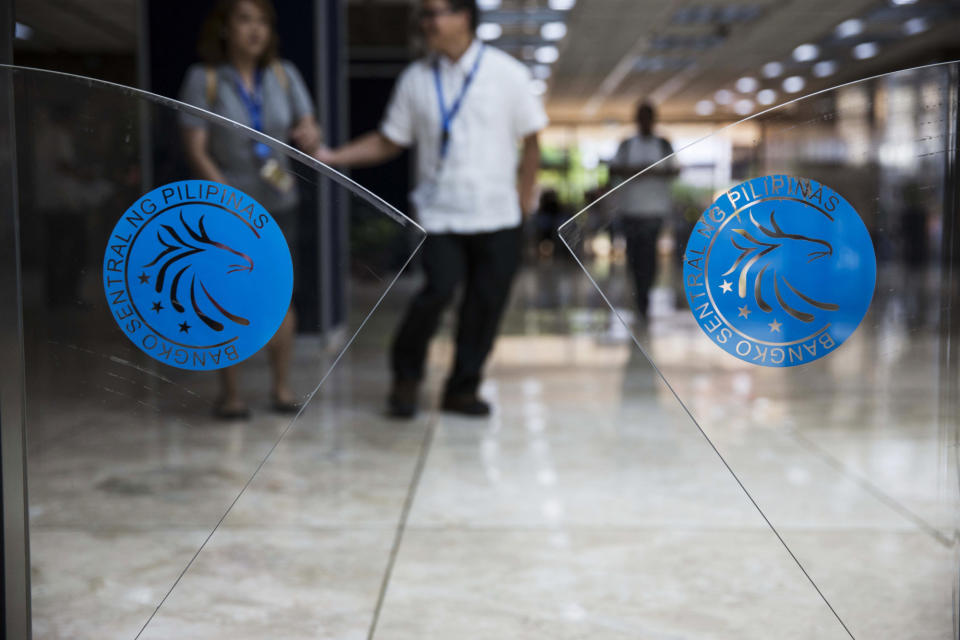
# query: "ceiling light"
[[743, 107], [723, 96], [553, 31], [767, 96], [849, 28], [539, 87], [488, 5], [547, 54], [913, 26], [489, 31], [903, 2], [772, 69], [793, 84], [806, 53], [705, 108], [22, 31], [865, 50], [824, 68], [540, 71], [562, 5], [747, 84]]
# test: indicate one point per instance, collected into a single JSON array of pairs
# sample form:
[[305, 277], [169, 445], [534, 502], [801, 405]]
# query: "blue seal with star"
[[198, 275], [779, 271]]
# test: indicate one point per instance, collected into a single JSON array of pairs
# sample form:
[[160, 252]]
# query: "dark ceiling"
[[677, 53]]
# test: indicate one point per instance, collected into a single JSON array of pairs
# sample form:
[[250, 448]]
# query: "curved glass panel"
[[804, 321], [138, 283]]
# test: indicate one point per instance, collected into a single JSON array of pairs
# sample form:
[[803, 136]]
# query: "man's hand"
[[366, 151], [325, 155]]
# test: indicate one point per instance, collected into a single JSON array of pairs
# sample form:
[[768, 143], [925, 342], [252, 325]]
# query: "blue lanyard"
[[254, 104], [447, 116]]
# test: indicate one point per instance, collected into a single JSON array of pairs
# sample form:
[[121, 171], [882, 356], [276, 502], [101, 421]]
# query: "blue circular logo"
[[198, 275], [779, 271]]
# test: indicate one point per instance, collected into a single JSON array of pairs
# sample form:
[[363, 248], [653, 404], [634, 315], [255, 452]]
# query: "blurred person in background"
[[916, 254], [66, 191], [241, 78], [465, 107], [644, 202], [549, 216]]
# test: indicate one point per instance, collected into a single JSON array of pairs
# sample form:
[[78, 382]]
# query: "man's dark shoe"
[[402, 401], [467, 404]]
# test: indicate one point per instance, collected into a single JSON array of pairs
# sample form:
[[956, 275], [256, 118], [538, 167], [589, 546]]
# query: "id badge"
[[428, 192], [273, 173]]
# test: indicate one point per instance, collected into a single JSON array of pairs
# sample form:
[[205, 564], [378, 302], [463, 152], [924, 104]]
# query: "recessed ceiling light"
[[913, 26], [747, 84], [540, 71], [22, 31], [806, 52], [546, 54], [743, 107], [767, 96], [553, 31], [865, 50], [562, 5], [489, 31], [824, 68], [723, 96], [849, 28], [705, 108], [488, 5], [793, 84], [772, 69], [902, 2]]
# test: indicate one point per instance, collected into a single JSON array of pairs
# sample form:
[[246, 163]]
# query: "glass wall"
[[812, 311]]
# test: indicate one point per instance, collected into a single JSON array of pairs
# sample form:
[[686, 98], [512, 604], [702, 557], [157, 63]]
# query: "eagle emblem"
[[755, 251]]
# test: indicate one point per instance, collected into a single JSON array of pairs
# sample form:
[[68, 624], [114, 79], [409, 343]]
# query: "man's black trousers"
[[485, 263]]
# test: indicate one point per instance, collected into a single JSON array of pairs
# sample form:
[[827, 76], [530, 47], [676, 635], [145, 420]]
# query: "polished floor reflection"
[[589, 505]]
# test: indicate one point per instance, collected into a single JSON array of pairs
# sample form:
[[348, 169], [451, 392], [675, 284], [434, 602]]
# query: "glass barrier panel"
[[142, 285], [804, 319]]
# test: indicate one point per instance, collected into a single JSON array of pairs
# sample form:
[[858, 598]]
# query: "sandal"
[[222, 411], [289, 406]]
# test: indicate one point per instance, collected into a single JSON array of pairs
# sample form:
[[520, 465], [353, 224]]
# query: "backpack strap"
[[281, 74], [210, 74], [665, 147]]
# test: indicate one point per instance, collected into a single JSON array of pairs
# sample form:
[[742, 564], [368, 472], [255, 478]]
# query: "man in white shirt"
[[465, 107], [644, 202]]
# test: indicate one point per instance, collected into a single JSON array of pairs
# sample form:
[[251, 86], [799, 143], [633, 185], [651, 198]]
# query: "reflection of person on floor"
[[242, 79], [65, 193], [466, 195], [645, 201], [916, 254]]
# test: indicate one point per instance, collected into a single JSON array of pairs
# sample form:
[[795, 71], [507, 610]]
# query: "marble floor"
[[592, 504]]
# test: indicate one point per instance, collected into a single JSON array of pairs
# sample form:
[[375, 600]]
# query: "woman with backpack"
[[242, 78]]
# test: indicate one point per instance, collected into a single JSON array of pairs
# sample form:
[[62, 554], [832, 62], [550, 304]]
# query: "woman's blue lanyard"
[[447, 116], [254, 104]]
